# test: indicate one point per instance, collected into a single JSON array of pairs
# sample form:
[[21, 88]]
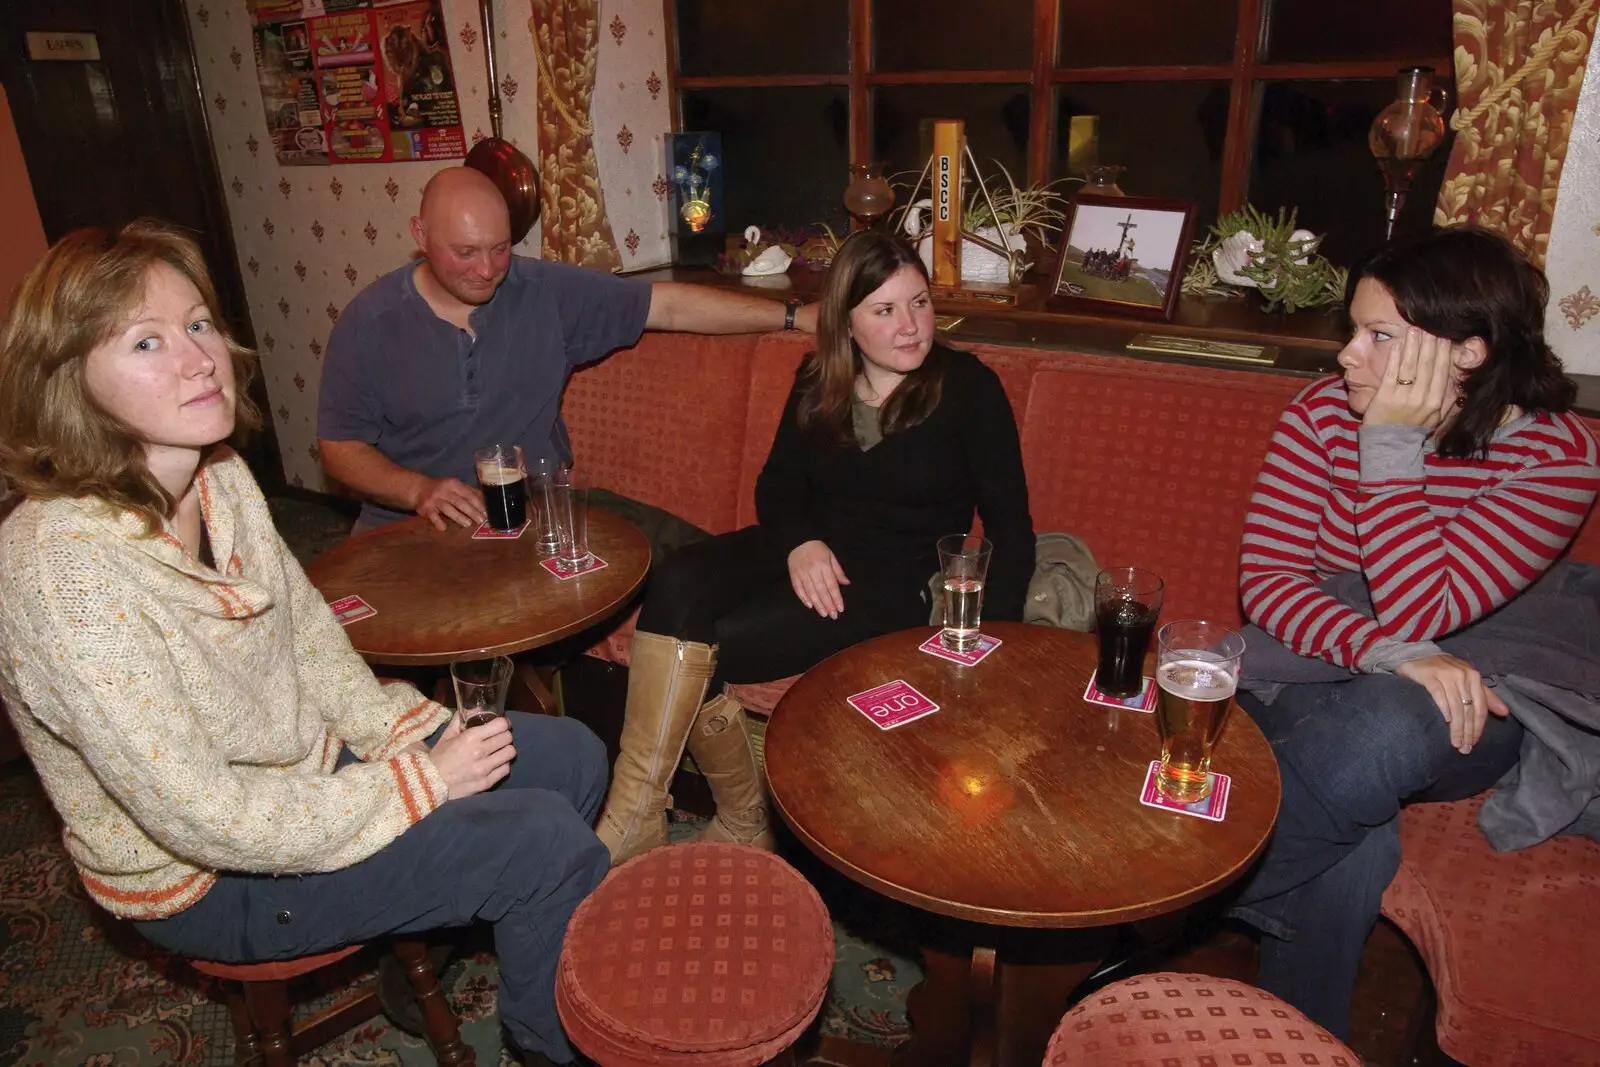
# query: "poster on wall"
[[348, 81], [289, 92], [419, 87]]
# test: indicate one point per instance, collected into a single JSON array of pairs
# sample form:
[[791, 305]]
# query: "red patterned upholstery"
[[661, 422], [706, 954], [1190, 1020], [273, 971], [1507, 938]]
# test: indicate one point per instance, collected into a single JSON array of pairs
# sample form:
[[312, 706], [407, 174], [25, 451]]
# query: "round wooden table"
[[1014, 805], [442, 597]]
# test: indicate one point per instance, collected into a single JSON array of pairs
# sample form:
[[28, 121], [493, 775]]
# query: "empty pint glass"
[[963, 567], [1197, 670], [481, 687], [543, 476], [569, 498], [1127, 602], [504, 485]]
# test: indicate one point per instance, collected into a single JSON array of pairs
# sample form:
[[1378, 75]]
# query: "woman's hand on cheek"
[[1417, 388]]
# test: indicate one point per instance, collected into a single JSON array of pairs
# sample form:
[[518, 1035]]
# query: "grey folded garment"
[[1541, 652]]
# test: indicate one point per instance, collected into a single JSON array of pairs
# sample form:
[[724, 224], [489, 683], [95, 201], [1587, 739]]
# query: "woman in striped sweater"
[[1445, 468]]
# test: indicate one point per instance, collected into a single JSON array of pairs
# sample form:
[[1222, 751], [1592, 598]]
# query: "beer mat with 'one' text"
[[986, 644], [553, 565], [1144, 700], [349, 609], [1213, 807], [892, 704], [485, 532]]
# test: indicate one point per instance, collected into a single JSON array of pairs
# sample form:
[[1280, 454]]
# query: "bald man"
[[471, 345]]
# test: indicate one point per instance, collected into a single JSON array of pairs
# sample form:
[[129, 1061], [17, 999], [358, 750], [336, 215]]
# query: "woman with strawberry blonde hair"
[[198, 718]]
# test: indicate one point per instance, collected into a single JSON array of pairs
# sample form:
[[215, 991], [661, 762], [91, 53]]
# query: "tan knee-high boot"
[[666, 683], [720, 745]]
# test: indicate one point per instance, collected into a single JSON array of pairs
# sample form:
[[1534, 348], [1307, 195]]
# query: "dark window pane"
[[952, 34], [1167, 134], [1415, 30], [737, 37], [996, 118], [1311, 153], [784, 152], [1146, 32]]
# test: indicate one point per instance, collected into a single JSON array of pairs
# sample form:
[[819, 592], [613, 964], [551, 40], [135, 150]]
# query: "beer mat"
[[485, 532], [892, 704], [1213, 807], [349, 609], [1145, 700], [593, 563], [986, 644]]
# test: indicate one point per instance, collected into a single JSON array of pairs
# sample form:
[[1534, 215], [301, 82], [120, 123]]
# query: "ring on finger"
[[1467, 701], [1405, 381]]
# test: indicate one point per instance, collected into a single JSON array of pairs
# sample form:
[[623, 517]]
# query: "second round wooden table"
[[1014, 805]]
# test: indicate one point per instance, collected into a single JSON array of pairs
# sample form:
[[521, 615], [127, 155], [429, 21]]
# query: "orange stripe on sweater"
[[145, 896], [406, 796]]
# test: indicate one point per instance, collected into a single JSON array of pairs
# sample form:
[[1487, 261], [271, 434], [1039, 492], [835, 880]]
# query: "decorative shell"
[[1233, 254], [1307, 242], [773, 260]]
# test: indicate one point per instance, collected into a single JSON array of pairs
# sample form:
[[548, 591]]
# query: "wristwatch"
[[790, 307]]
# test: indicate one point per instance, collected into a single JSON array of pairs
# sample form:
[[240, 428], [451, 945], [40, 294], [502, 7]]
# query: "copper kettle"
[[504, 163]]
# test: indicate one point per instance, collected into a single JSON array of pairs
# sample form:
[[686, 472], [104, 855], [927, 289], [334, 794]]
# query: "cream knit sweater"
[[186, 720]]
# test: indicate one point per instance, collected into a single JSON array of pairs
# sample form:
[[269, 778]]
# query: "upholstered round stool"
[[1186, 1020], [706, 954]]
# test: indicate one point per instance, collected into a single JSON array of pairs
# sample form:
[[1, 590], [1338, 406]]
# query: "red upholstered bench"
[[702, 954], [1508, 938], [1190, 1020]]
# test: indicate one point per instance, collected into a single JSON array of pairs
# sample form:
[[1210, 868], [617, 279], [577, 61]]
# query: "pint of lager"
[[1197, 673], [503, 482]]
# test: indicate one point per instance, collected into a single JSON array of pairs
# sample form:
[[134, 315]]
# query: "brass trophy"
[[945, 175]]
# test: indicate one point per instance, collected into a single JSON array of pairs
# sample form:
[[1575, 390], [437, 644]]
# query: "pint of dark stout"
[[504, 485], [1127, 602]]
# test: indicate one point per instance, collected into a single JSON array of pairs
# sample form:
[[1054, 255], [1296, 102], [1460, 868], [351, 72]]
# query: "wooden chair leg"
[[246, 1045], [268, 1003], [443, 1031]]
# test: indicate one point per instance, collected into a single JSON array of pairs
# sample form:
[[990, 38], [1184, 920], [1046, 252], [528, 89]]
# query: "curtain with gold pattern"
[[1519, 69], [566, 39]]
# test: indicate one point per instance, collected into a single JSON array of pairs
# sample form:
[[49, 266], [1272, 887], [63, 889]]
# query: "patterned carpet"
[[79, 987]]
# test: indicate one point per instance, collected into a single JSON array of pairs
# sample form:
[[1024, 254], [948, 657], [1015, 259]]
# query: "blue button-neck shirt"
[[427, 394]]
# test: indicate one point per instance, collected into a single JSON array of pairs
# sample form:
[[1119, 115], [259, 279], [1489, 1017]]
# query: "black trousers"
[[734, 591]]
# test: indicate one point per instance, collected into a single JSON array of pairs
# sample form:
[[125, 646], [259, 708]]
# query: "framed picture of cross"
[[1122, 255]]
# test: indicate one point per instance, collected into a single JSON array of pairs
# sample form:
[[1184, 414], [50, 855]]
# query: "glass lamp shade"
[[868, 196], [1405, 134], [1101, 180]]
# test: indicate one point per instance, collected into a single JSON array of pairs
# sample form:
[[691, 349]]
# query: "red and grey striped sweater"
[[1442, 542]]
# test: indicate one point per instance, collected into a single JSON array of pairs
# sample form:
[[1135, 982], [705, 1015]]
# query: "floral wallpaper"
[[309, 238], [1572, 324]]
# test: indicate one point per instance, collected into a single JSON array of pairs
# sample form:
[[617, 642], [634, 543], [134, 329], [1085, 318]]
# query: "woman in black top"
[[889, 440]]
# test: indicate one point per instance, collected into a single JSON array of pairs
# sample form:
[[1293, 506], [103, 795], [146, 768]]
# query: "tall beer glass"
[[1127, 602], [543, 476], [569, 497], [504, 485], [1197, 670], [963, 568]]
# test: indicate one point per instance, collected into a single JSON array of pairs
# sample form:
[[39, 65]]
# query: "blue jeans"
[[1350, 755], [521, 856]]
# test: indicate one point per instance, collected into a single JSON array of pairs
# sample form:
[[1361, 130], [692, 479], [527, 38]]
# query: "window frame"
[[1246, 76]]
